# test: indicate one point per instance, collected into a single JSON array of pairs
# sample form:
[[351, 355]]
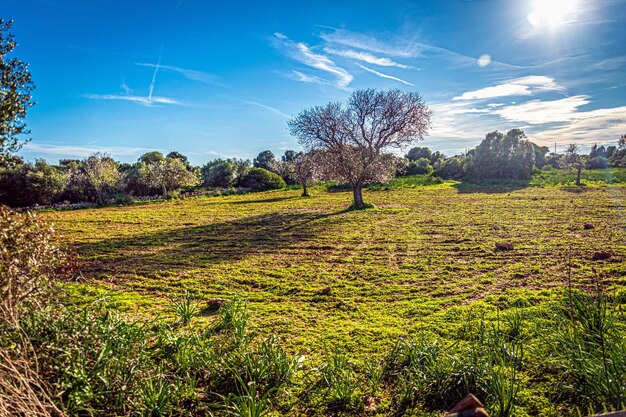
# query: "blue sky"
[[220, 79]]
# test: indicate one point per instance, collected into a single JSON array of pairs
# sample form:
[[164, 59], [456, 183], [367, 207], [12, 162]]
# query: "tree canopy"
[[352, 139], [16, 86]]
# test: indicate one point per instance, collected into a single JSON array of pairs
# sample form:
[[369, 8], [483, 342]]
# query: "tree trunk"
[[164, 192], [357, 191], [99, 195], [578, 176], [305, 192]]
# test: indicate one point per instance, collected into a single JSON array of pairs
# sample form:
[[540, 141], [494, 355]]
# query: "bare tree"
[[353, 139], [306, 170], [621, 142], [101, 172], [575, 160]]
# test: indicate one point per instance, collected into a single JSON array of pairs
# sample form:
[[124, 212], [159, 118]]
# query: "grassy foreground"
[[422, 264]]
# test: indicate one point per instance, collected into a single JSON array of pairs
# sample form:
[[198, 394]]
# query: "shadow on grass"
[[201, 246], [495, 187], [266, 200]]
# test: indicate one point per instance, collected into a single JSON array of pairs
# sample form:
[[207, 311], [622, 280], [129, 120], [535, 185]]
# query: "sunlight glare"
[[551, 13]]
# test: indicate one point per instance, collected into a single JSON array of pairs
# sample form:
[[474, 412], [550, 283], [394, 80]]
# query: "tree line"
[[354, 143]]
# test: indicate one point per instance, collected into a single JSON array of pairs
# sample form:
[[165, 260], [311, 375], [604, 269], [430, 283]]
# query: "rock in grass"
[[370, 404], [214, 304], [325, 291], [504, 246], [469, 406], [588, 226], [600, 256]]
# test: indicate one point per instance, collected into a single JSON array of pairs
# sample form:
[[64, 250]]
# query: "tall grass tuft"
[[184, 308], [338, 380], [588, 350]]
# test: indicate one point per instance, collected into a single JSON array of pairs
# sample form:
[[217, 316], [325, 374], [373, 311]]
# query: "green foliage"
[[259, 179], [598, 162], [265, 160], [419, 167], [224, 173], [588, 351], [168, 175], [338, 380], [451, 169], [501, 156], [24, 185], [184, 307], [417, 153], [16, 86], [101, 173]]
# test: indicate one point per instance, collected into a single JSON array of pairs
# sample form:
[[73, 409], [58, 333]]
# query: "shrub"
[[599, 162], [25, 185], [259, 179], [451, 169], [28, 259], [421, 166]]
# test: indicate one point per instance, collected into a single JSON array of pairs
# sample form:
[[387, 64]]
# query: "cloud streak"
[[300, 52], [146, 101], [192, 75], [403, 48], [266, 107], [390, 77], [365, 57]]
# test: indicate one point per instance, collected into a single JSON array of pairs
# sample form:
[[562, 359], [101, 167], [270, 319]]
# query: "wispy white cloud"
[[266, 107], [390, 77], [458, 120], [146, 101], [194, 75], [306, 78], [365, 57], [401, 47], [125, 87], [595, 126], [303, 54], [614, 63], [544, 111], [518, 87], [77, 151]]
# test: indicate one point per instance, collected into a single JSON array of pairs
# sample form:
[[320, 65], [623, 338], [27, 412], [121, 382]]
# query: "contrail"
[[156, 69]]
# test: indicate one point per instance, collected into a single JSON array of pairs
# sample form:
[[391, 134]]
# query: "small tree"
[[573, 159], [419, 152], [168, 174], [101, 172], [265, 160], [353, 139], [183, 158], [15, 94], [306, 170], [151, 157]]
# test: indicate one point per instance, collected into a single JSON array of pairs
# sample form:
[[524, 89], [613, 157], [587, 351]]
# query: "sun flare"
[[551, 13]]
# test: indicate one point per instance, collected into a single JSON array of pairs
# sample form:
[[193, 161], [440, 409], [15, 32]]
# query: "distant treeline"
[[100, 179]]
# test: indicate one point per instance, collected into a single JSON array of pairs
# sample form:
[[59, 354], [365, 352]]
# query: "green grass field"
[[316, 274]]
